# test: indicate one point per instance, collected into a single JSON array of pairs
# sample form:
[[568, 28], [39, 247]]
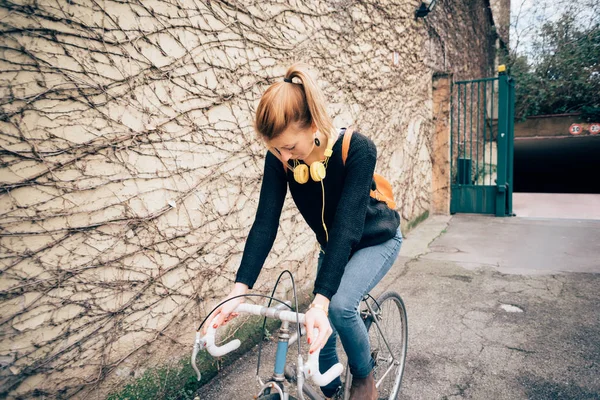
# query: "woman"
[[359, 235]]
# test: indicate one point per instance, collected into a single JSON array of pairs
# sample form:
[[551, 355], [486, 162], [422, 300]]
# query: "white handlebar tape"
[[311, 367], [213, 349], [271, 312], [219, 351]]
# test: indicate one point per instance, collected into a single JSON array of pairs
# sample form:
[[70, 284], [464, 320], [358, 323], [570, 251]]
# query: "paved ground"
[[557, 205], [458, 277]]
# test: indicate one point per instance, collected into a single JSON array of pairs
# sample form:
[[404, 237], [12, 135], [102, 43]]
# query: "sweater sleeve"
[[350, 215], [264, 229]]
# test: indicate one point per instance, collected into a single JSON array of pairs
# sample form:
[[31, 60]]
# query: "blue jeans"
[[364, 270]]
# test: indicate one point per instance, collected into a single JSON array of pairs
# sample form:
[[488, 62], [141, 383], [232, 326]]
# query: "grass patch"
[[413, 223], [168, 382]]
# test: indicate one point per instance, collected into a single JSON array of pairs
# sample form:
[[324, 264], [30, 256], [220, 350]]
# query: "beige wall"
[[130, 172]]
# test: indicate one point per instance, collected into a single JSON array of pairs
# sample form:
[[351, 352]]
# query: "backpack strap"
[[346, 143], [383, 189]]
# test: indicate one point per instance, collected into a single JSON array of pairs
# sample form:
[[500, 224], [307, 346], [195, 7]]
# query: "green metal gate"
[[482, 145]]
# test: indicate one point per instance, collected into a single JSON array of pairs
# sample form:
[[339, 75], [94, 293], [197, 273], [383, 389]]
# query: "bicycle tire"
[[393, 323], [273, 396]]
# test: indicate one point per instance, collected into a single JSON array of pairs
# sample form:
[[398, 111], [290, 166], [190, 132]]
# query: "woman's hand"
[[225, 313], [316, 317]]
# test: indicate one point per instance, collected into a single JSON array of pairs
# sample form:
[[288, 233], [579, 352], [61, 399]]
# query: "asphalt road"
[[498, 308]]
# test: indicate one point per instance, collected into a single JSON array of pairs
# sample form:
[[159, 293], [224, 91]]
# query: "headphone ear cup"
[[301, 173], [317, 171]]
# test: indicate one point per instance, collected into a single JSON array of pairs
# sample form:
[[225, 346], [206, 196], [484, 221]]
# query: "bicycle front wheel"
[[388, 337]]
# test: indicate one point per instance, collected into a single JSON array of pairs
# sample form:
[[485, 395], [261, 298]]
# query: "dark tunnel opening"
[[557, 165]]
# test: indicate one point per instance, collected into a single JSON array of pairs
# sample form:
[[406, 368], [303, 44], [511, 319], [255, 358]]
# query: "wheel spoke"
[[383, 376], [388, 337]]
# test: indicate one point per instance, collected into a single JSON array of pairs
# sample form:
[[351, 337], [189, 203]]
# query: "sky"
[[528, 15]]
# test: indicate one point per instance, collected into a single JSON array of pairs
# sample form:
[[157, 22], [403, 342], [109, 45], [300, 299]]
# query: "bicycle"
[[386, 322]]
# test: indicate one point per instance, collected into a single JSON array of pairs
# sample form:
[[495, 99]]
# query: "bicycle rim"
[[274, 396], [389, 357]]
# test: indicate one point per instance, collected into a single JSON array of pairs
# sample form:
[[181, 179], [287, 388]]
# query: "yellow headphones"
[[317, 169], [317, 173]]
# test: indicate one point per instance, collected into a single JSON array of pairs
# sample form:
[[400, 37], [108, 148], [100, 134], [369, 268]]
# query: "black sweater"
[[354, 220]]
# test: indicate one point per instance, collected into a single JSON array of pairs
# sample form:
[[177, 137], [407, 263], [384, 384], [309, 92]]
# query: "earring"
[[317, 141]]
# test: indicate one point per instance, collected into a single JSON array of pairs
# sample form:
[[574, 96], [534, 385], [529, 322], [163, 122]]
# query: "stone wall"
[[553, 125], [130, 173]]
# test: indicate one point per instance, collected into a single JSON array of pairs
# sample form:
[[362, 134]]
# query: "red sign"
[[595, 128], [575, 129]]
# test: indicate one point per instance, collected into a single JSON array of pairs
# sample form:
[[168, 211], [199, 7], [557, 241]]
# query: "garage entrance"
[[556, 172]]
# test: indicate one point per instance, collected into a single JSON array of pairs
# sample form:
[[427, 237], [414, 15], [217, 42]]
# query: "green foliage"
[[590, 113], [562, 74], [412, 224], [485, 173], [176, 382]]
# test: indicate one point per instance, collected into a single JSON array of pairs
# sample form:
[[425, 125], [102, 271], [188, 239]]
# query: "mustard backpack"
[[383, 188]]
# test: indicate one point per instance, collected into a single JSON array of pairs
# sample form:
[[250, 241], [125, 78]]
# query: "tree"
[[562, 72]]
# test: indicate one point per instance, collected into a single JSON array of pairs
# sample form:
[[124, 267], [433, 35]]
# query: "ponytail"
[[300, 102]]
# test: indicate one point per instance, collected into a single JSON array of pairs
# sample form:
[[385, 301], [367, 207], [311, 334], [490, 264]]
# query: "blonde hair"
[[286, 103]]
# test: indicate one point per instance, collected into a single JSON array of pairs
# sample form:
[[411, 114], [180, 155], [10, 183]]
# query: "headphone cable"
[[323, 213]]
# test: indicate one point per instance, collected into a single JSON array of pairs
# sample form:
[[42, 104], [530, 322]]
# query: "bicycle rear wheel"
[[388, 336]]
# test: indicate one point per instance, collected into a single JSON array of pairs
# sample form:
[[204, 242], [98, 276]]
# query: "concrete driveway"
[[498, 308]]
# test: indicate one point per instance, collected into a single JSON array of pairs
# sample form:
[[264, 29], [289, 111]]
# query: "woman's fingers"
[[210, 320], [314, 320], [309, 331], [215, 321], [320, 341], [218, 319], [229, 317], [323, 335], [225, 312]]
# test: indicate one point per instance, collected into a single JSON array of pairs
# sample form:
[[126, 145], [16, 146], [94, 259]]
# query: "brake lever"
[[198, 344]]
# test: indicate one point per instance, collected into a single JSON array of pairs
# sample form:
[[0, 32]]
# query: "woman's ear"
[[314, 128]]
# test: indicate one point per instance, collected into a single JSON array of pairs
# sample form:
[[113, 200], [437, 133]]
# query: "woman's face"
[[294, 143]]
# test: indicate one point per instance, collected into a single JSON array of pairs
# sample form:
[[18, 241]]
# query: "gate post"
[[502, 139], [511, 146]]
